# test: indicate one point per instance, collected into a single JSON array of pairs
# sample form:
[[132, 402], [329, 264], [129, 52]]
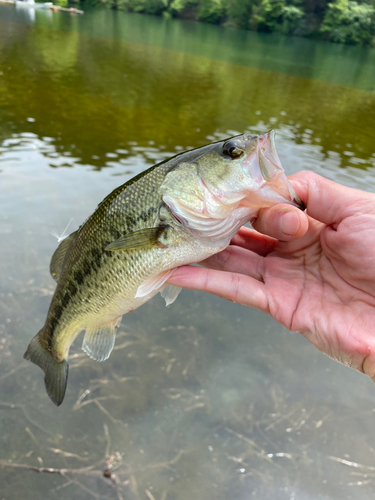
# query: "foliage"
[[238, 13], [180, 7], [345, 21], [276, 15], [154, 7], [349, 22], [211, 11]]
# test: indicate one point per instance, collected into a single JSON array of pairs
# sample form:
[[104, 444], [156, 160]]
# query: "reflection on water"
[[204, 399], [80, 86]]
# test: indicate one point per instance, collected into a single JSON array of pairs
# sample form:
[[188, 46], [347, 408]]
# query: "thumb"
[[327, 201], [283, 222]]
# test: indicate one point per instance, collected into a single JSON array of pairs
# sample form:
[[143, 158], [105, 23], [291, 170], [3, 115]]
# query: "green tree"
[[237, 13], [155, 7], [345, 21], [211, 11], [276, 15], [349, 22], [182, 8]]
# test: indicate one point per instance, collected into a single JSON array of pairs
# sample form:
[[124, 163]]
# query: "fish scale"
[[178, 212]]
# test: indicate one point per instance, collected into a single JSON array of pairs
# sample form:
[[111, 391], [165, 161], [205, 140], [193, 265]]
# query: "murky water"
[[205, 399]]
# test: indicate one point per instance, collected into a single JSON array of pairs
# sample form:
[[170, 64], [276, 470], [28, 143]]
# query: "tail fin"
[[56, 372]]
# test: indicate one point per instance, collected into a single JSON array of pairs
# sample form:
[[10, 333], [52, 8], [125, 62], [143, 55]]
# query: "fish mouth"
[[299, 203], [268, 157], [265, 166]]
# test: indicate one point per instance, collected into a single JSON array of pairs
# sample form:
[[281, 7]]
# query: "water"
[[205, 399]]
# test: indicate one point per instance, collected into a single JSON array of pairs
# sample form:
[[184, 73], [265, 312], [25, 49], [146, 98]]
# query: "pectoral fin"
[[98, 342], [58, 257], [142, 238]]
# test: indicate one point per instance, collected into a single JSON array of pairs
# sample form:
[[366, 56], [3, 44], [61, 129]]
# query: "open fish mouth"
[[269, 161], [265, 164]]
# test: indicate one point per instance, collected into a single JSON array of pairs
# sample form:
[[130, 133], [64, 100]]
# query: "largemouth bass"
[[178, 212]]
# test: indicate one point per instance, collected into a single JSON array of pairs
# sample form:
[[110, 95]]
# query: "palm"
[[311, 288], [321, 284]]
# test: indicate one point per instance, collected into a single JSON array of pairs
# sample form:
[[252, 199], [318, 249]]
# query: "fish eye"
[[231, 149]]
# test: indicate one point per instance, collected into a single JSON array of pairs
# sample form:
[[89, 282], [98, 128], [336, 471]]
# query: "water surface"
[[205, 399]]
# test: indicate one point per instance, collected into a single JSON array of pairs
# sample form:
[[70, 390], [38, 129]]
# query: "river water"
[[205, 399]]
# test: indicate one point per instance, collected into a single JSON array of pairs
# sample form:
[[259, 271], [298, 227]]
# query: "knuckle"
[[235, 287]]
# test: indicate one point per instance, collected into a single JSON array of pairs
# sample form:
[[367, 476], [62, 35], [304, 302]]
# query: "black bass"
[[178, 212]]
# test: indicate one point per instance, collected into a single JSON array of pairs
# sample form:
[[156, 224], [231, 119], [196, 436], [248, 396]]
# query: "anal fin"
[[99, 342]]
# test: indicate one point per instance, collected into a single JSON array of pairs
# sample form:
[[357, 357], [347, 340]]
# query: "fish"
[[178, 212]]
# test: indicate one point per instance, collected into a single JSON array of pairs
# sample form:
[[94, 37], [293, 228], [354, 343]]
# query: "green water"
[[205, 399]]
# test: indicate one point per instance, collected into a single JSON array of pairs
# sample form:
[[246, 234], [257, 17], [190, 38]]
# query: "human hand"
[[313, 273]]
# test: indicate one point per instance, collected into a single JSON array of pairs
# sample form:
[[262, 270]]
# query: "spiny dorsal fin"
[[141, 238], [58, 257]]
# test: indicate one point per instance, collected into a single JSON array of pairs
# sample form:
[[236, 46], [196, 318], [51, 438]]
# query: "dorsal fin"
[[58, 257]]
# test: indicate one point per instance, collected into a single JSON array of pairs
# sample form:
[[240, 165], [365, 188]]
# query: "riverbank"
[[45, 6], [342, 21]]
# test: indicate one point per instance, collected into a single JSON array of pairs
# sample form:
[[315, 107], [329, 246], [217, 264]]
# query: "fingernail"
[[289, 223]]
